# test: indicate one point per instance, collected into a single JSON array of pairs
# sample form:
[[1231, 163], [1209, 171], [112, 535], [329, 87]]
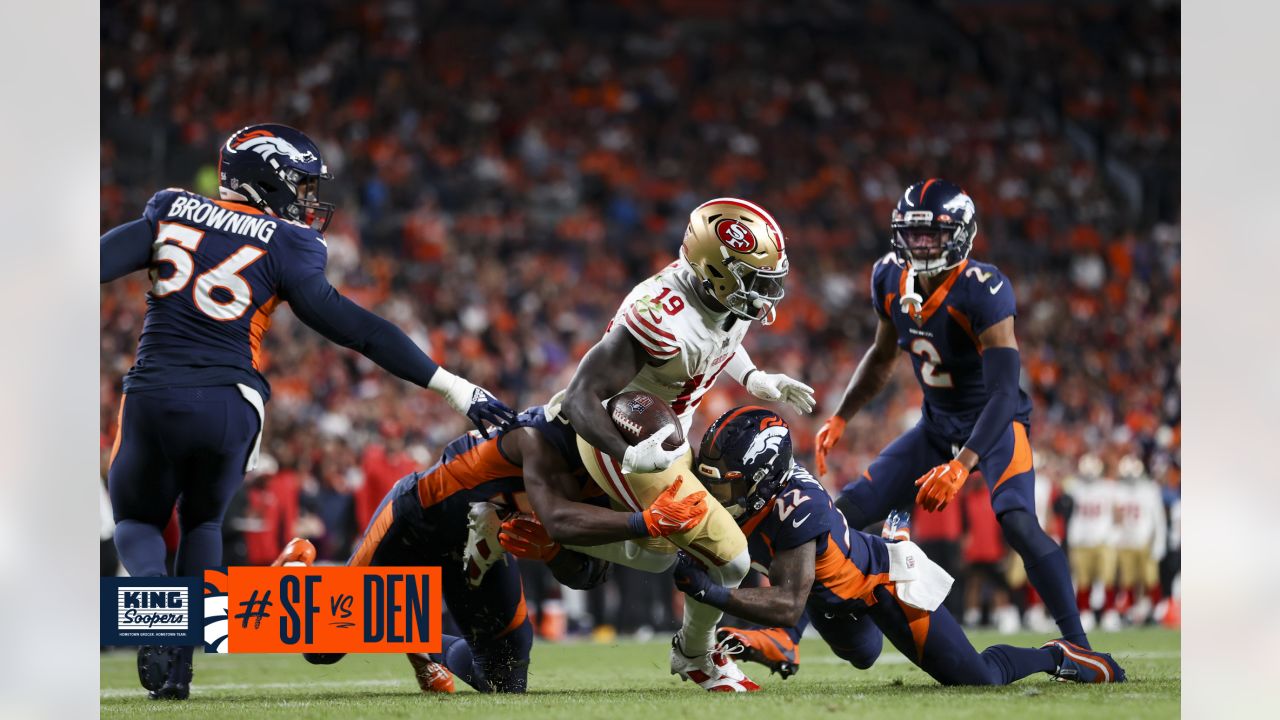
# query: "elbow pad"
[[578, 571]]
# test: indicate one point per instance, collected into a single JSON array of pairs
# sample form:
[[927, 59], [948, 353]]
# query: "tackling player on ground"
[[958, 328], [855, 586], [192, 413], [672, 336], [451, 515]]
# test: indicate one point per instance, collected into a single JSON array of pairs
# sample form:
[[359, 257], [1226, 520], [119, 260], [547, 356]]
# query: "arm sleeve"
[[125, 249], [992, 307], [1000, 369], [325, 310]]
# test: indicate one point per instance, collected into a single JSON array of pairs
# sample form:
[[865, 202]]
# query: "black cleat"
[[171, 691], [154, 663]]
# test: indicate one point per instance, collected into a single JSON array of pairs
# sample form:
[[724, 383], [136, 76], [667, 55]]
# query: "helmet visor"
[[758, 293]]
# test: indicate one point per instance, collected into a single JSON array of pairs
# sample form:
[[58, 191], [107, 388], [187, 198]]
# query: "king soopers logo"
[[153, 608], [735, 235]]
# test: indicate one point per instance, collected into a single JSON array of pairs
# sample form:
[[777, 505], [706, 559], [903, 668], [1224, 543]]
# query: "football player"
[[954, 315], [857, 587], [450, 515], [672, 336], [192, 412]]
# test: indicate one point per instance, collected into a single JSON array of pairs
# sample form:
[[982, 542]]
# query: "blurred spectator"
[[506, 170], [984, 553], [1091, 534], [1140, 544]]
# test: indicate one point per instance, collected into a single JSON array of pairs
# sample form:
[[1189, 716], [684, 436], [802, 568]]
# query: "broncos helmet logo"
[[268, 145], [768, 439]]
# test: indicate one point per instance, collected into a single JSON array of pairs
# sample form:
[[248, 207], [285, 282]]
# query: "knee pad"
[[732, 573], [1023, 532]]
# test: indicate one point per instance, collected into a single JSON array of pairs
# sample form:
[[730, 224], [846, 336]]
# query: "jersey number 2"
[[175, 245], [929, 372]]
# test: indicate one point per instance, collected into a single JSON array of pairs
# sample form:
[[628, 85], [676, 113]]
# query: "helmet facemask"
[[758, 291]]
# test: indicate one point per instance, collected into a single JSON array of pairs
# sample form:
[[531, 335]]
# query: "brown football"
[[638, 414]]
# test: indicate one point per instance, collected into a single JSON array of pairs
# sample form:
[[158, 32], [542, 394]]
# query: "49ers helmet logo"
[[735, 235]]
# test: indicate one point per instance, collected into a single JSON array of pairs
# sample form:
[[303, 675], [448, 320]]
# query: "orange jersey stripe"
[[476, 466], [963, 321], [518, 619], [369, 543], [841, 576], [1021, 460], [917, 620], [936, 299], [258, 326], [115, 446]]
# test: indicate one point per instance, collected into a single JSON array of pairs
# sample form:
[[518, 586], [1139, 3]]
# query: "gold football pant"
[[716, 541], [1137, 567], [1093, 562]]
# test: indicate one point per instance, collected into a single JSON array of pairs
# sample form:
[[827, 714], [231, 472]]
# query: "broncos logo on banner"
[[267, 145], [768, 439], [216, 622]]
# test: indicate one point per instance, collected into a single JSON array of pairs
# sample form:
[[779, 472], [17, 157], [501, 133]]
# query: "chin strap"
[[911, 301]]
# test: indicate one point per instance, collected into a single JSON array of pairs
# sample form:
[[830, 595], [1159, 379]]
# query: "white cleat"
[[1111, 621], [715, 671]]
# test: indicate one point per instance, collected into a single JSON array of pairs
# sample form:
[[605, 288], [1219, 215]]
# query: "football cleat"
[[715, 671], [897, 527], [177, 685], [298, 553], [1085, 666], [771, 647], [154, 662], [432, 676]]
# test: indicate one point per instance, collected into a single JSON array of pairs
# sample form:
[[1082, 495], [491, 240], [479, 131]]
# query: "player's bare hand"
[[525, 537], [776, 386], [668, 515], [940, 485], [648, 455], [827, 437]]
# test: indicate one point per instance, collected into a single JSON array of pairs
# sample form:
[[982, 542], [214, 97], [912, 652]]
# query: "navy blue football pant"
[[933, 641], [492, 617], [178, 445], [889, 484]]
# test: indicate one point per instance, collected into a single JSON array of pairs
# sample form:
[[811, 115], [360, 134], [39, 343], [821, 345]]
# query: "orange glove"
[[524, 537], [827, 438], [940, 485], [667, 515]]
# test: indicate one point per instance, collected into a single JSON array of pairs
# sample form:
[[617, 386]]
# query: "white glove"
[[776, 386], [648, 456]]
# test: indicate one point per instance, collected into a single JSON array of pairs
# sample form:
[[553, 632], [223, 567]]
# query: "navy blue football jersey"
[[850, 564], [474, 469], [942, 338], [218, 271]]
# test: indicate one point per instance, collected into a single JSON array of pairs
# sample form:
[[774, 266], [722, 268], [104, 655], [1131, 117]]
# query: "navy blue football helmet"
[[278, 169], [934, 225], [745, 459]]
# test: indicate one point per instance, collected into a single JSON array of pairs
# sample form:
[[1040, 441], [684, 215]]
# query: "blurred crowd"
[[505, 171]]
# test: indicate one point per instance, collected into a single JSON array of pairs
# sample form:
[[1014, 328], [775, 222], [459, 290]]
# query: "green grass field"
[[630, 681]]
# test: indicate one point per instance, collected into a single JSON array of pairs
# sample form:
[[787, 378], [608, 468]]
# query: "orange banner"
[[332, 609]]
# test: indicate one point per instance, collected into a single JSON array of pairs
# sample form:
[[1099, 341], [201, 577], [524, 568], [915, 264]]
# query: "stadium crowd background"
[[505, 171]]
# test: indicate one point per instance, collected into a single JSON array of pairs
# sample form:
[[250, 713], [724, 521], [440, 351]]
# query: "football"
[[638, 414]]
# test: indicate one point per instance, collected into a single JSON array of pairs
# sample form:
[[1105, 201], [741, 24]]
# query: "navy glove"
[[486, 408], [692, 580]]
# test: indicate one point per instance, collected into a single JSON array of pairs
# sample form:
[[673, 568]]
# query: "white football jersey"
[[1093, 519], [1141, 512], [665, 315]]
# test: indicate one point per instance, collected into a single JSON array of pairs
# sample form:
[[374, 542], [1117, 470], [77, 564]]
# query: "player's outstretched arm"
[[779, 605], [604, 371], [1001, 366], [551, 488], [322, 308], [769, 386], [124, 249], [868, 380]]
